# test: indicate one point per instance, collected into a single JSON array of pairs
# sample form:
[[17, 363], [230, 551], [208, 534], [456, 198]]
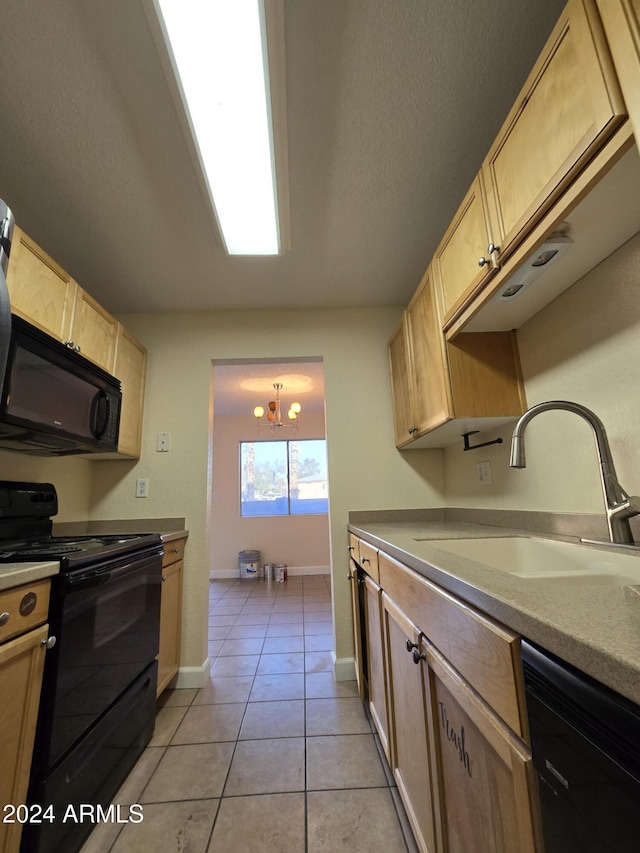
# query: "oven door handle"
[[97, 577]]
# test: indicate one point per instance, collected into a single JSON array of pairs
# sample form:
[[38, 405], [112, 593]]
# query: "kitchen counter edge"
[[597, 629], [13, 575]]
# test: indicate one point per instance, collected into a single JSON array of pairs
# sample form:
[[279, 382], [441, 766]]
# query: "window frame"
[[288, 514]]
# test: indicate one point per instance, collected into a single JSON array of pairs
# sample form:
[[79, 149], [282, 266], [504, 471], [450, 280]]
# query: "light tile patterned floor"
[[271, 755]]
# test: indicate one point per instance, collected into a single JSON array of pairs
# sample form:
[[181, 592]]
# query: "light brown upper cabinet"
[[440, 390], [401, 384], [621, 20], [41, 292], [568, 109], [466, 257], [431, 393], [130, 368], [93, 331]]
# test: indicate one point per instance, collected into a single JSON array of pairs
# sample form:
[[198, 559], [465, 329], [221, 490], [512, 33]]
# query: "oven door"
[[108, 624]]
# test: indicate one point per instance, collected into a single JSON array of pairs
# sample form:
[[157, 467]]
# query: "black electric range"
[[98, 698]]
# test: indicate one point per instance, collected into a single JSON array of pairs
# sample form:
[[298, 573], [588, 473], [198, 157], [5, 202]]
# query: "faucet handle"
[[628, 509]]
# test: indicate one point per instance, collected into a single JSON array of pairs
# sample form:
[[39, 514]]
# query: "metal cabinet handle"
[[417, 657], [410, 646], [77, 348], [50, 642], [164, 577], [4, 618], [70, 344], [491, 248], [365, 560]]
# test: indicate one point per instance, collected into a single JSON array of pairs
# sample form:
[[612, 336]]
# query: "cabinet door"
[[130, 368], [485, 772], [376, 661], [569, 106], [621, 21], [408, 728], [462, 263], [21, 665], [94, 331], [401, 385], [170, 623], [432, 401], [41, 292], [355, 582]]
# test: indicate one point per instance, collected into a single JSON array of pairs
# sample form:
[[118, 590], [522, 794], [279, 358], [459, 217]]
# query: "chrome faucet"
[[620, 507]]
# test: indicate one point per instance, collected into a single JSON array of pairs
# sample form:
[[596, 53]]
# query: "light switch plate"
[[164, 442]]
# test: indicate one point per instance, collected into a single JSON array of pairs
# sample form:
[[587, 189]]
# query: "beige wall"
[[300, 541], [365, 469], [583, 347], [72, 478]]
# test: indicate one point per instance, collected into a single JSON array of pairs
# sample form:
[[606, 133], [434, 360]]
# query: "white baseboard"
[[344, 669], [292, 571], [191, 676]]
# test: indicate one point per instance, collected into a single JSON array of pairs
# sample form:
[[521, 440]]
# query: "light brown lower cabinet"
[[21, 666], [485, 772], [170, 612], [376, 663], [444, 692], [411, 750]]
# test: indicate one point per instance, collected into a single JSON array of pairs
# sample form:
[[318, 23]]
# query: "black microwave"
[[54, 401]]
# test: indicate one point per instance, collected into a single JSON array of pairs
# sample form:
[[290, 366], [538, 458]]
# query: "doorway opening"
[[269, 483]]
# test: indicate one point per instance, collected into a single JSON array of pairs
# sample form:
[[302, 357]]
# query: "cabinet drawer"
[[369, 560], [25, 607], [173, 551], [484, 652]]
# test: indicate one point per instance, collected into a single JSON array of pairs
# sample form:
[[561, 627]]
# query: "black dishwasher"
[[585, 741]]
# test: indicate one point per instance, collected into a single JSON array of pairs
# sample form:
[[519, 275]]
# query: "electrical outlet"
[[163, 444], [142, 488], [484, 473]]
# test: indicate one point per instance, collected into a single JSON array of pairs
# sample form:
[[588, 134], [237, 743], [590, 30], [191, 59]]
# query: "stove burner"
[[49, 550]]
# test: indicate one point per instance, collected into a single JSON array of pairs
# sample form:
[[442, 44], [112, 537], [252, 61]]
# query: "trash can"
[[249, 564]]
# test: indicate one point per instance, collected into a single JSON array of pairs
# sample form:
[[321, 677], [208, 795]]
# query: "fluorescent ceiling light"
[[219, 50]]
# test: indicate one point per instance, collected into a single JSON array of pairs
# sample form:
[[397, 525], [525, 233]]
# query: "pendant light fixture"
[[274, 414]]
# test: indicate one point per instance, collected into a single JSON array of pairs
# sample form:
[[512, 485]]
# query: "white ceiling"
[[240, 386], [392, 105]]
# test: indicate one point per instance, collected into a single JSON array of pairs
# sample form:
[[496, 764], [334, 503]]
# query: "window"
[[283, 477]]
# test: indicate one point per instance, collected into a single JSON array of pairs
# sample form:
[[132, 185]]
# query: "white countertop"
[[595, 628], [17, 574]]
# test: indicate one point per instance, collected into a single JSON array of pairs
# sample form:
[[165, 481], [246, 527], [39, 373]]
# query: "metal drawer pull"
[[411, 646], [4, 618], [50, 642], [417, 657]]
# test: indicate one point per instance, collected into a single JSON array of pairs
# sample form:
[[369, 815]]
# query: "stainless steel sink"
[[562, 563]]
